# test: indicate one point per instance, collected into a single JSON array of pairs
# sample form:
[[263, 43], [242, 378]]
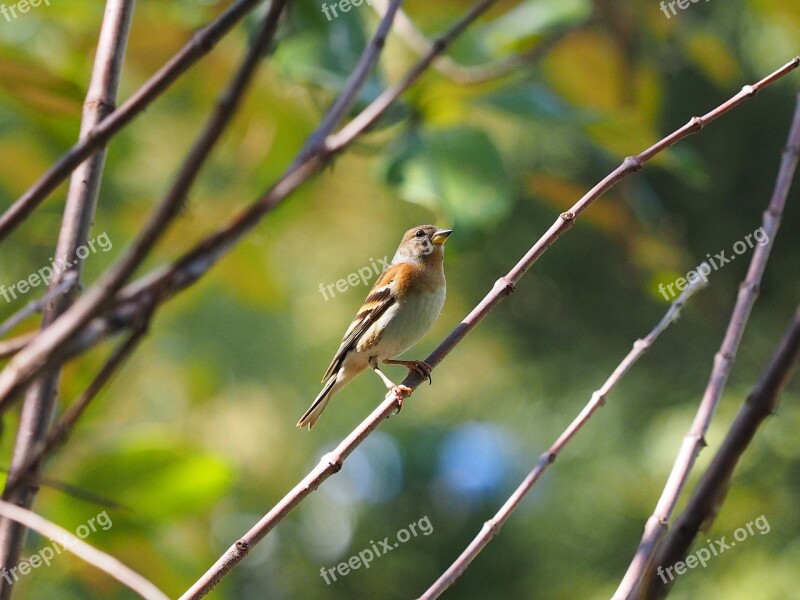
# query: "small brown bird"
[[401, 307]]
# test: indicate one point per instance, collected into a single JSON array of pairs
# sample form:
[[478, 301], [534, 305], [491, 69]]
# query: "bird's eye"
[[420, 233]]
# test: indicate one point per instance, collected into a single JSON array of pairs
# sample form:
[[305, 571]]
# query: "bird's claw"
[[401, 392], [424, 369]]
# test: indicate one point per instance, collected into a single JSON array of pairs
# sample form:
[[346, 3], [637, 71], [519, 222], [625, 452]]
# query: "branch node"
[[752, 287], [242, 546], [438, 46], [598, 398], [334, 462], [568, 216], [492, 526], [632, 163], [103, 107], [505, 285], [696, 123]]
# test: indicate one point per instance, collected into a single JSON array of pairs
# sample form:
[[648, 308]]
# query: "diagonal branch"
[[492, 527], [200, 45], [125, 575], [59, 432], [13, 345], [332, 462], [41, 397], [352, 86], [473, 74], [69, 280], [694, 441], [46, 345], [710, 491]]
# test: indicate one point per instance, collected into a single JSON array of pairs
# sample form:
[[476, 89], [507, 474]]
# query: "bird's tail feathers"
[[315, 410]]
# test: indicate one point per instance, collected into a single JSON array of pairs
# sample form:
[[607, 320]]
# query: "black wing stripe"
[[369, 317]]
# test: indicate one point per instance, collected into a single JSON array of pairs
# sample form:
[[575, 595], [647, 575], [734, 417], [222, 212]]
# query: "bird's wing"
[[380, 299]]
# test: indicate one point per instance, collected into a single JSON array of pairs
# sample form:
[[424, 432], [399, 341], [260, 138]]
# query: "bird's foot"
[[419, 366], [401, 392]]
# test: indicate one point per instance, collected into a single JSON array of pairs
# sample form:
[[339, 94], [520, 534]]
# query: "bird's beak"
[[440, 237]]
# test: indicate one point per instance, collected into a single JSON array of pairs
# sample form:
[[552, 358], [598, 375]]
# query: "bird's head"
[[421, 242]]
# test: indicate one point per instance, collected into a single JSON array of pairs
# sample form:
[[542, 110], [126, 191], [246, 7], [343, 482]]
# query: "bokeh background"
[[195, 438]]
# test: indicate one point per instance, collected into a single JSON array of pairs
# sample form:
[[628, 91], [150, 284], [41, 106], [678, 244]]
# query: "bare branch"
[[694, 441], [352, 86], [492, 527], [69, 280], [472, 74], [59, 433], [41, 398], [332, 462], [105, 562], [13, 345], [710, 491], [49, 342], [200, 45], [46, 347]]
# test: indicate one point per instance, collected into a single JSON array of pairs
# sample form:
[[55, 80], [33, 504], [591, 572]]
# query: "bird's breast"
[[407, 321]]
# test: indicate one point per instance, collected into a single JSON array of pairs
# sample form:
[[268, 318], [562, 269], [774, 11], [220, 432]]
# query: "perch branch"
[[332, 462]]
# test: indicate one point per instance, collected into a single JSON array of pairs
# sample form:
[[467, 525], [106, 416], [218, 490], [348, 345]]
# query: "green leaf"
[[458, 171], [158, 480], [534, 18]]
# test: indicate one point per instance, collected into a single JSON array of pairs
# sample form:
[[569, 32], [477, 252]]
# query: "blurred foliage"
[[195, 438]]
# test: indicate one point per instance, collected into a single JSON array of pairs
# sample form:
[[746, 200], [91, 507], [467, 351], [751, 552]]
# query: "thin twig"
[[492, 527], [200, 45], [97, 558], [710, 490], [353, 85], [46, 347], [42, 396], [69, 280], [13, 345], [332, 462], [694, 441], [59, 433], [49, 342], [72, 490], [472, 74]]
